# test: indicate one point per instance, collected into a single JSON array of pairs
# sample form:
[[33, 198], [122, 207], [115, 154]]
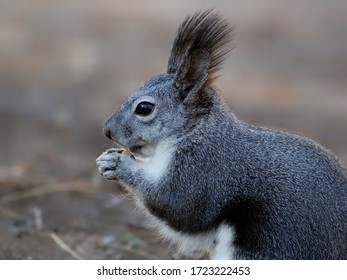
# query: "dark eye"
[[144, 108]]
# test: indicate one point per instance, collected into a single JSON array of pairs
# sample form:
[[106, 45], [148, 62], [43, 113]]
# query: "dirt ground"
[[65, 67]]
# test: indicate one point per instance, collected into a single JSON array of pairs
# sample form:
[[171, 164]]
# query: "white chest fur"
[[156, 166]]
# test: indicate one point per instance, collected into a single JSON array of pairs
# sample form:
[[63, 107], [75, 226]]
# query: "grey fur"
[[284, 195]]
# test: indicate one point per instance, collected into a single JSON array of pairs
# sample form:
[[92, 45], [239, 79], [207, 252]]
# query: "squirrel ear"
[[198, 51], [192, 74]]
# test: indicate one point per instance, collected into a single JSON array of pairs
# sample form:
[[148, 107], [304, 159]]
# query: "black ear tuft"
[[199, 50]]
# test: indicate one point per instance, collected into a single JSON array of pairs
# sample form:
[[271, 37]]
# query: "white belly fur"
[[218, 243]]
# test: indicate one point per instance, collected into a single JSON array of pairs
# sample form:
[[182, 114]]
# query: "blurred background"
[[65, 67]]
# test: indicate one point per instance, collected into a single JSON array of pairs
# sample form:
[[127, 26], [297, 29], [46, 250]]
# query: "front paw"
[[108, 163]]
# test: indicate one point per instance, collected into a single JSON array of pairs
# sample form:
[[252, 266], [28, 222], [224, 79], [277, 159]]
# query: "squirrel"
[[213, 184]]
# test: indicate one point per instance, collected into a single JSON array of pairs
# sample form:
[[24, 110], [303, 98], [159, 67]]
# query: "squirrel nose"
[[107, 132]]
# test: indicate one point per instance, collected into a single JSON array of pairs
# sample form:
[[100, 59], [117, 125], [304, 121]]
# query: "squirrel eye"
[[144, 108]]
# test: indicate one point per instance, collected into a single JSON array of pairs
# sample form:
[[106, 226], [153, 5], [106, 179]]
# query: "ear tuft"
[[199, 50]]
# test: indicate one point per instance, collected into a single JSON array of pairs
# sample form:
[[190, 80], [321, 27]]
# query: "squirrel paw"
[[108, 163]]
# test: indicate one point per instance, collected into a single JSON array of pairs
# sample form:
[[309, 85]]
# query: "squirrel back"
[[212, 183]]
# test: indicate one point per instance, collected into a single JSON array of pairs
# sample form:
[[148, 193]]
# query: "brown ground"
[[65, 66]]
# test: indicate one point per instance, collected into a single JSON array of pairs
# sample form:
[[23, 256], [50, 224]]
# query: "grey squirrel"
[[212, 183]]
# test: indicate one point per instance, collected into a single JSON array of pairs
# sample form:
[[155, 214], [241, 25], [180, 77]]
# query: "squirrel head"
[[168, 103]]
